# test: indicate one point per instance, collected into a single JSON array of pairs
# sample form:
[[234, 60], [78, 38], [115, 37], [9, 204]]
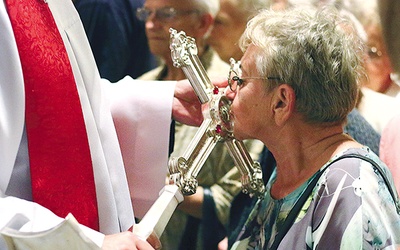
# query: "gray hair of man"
[[310, 51], [207, 6], [366, 11], [251, 6]]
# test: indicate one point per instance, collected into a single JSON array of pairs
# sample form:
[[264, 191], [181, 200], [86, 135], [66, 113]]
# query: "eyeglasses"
[[374, 53], [235, 79], [164, 14]]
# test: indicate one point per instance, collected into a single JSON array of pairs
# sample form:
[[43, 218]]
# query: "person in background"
[[390, 147], [47, 71], [199, 220], [376, 106], [379, 86], [378, 65], [390, 140], [297, 105], [194, 17], [117, 38], [229, 25]]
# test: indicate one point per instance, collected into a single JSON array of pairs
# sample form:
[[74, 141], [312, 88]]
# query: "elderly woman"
[[294, 87]]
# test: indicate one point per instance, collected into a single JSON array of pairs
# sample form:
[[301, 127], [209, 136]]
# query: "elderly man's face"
[[186, 19], [229, 25]]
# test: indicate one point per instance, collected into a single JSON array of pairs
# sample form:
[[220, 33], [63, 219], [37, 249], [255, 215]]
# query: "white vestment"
[[115, 210]]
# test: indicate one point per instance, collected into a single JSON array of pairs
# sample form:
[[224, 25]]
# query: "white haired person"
[[229, 25]]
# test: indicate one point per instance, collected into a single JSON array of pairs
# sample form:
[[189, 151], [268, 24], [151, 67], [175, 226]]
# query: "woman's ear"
[[284, 100], [205, 24]]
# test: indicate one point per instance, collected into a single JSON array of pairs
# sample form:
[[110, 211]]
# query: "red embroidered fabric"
[[59, 154]]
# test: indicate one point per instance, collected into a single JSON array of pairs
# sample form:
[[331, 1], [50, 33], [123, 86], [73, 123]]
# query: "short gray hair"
[[310, 51], [251, 6], [207, 6]]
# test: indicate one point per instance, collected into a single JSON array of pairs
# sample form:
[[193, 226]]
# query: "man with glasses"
[[195, 17]]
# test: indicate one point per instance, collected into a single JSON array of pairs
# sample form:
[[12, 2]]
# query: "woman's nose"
[[229, 93]]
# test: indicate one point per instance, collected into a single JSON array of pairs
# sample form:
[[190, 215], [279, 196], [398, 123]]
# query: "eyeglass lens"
[[234, 75], [161, 14]]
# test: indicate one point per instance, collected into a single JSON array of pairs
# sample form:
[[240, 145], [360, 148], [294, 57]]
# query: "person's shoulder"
[[92, 3], [106, 6], [377, 108], [354, 156], [357, 167], [373, 95], [346, 167], [135, 3], [393, 126], [152, 74], [217, 67]]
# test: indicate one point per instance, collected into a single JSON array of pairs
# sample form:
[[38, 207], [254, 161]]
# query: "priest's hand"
[[125, 241], [186, 107]]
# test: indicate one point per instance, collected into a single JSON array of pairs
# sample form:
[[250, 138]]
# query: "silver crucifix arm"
[[184, 55]]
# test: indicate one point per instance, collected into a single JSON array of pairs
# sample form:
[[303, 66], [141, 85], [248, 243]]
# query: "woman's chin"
[[239, 135]]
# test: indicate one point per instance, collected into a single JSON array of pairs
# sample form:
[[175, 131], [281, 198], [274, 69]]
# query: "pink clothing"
[[390, 148]]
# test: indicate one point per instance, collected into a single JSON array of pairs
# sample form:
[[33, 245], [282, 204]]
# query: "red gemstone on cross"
[[215, 90], [218, 129]]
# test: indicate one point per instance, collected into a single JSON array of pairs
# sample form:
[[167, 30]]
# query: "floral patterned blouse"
[[349, 208]]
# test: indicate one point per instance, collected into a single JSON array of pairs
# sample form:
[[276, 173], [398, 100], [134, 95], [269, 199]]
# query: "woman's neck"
[[301, 164]]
